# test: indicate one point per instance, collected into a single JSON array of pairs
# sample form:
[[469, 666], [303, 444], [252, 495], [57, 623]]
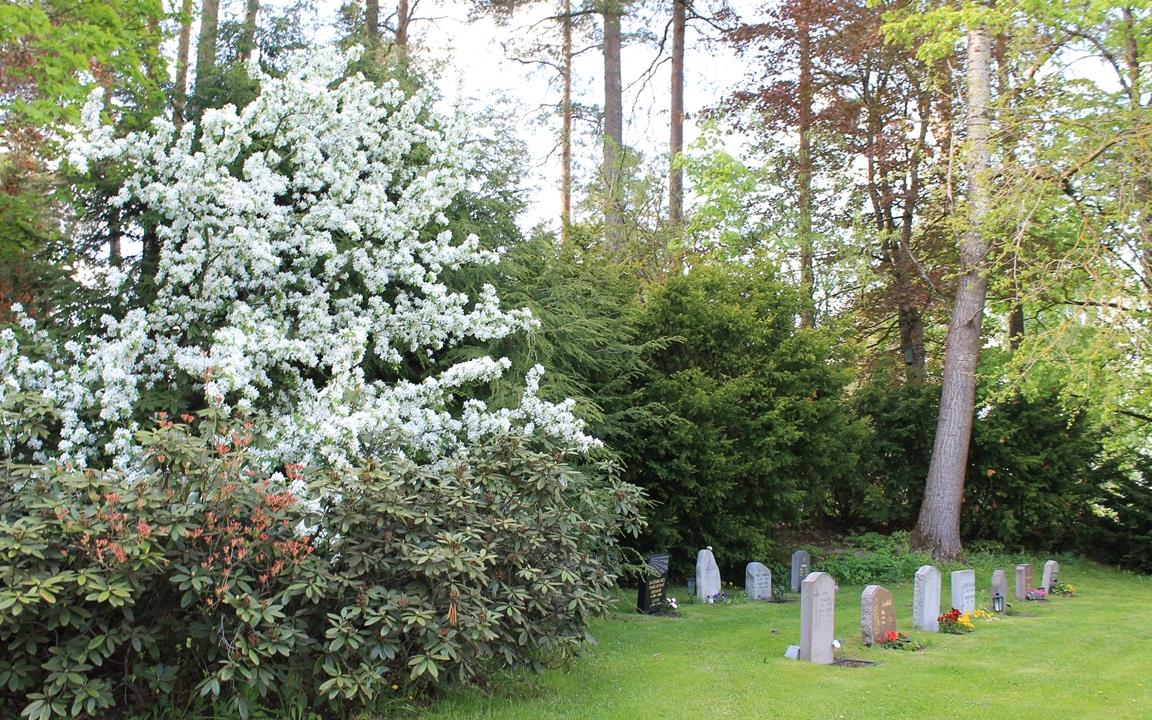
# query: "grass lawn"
[[1088, 656]]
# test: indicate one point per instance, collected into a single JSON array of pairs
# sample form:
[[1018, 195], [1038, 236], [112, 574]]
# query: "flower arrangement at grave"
[[667, 606], [1036, 595], [954, 622], [894, 640], [981, 614], [1060, 589]]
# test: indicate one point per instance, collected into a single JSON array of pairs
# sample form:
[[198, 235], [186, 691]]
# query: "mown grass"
[[1088, 656]]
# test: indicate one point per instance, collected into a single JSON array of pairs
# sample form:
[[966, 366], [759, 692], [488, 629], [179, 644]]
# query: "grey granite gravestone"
[[707, 575], [964, 590], [926, 599], [650, 594], [999, 588], [1023, 581], [1051, 575], [817, 617], [801, 564], [758, 581], [877, 614]]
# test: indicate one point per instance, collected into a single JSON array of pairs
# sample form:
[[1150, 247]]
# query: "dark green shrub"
[[749, 429], [886, 493], [206, 583], [1034, 472], [1123, 531]]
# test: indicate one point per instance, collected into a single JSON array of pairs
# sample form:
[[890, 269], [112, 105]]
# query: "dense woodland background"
[[762, 341]]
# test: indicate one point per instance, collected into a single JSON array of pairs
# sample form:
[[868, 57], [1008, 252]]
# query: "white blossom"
[[302, 238]]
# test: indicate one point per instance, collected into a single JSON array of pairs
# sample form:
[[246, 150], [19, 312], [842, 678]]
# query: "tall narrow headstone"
[[926, 599], [999, 589], [801, 564], [1023, 581], [877, 614], [964, 590], [817, 617], [758, 581], [1051, 575], [707, 575], [650, 594]]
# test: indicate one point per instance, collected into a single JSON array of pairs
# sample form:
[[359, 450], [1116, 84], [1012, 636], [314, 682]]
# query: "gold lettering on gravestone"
[[656, 588]]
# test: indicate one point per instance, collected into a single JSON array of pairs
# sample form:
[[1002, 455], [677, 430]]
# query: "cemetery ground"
[[1087, 656]]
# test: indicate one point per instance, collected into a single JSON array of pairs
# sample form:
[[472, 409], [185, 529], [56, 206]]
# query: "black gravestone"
[[651, 590]]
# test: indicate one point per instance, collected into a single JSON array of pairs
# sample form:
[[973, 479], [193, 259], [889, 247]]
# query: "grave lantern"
[[997, 603]]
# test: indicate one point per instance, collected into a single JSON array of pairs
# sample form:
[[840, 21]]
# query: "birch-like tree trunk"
[[937, 530]]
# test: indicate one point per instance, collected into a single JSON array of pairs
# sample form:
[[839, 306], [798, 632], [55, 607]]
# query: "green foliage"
[[888, 490], [751, 429], [871, 558], [198, 586], [1034, 471], [1123, 531]]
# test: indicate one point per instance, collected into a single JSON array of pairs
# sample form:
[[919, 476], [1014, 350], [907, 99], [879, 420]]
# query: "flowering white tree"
[[299, 243]]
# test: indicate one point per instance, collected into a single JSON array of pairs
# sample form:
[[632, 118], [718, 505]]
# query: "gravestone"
[[926, 599], [758, 581], [999, 589], [817, 617], [1023, 580], [707, 575], [877, 614], [964, 590], [1051, 575], [653, 586], [801, 564]]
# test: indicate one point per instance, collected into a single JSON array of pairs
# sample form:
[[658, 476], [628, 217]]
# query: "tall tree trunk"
[[613, 128], [566, 129], [246, 44], [804, 167], [403, 18], [372, 23], [938, 527], [676, 133], [183, 49], [206, 45]]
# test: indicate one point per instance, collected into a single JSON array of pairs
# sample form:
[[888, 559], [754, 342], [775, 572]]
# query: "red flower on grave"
[[891, 636]]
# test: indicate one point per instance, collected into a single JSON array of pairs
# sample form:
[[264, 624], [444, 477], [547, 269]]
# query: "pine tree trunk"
[[247, 41], [938, 528], [183, 49], [613, 128], [372, 23], [566, 129], [676, 134], [804, 168], [403, 18], [206, 45]]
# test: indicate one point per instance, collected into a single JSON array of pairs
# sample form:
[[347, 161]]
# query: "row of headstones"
[[653, 588], [758, 584], [877, 612]]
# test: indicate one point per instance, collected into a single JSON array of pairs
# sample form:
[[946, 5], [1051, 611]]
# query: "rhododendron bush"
[[318, 528], [302, 241]]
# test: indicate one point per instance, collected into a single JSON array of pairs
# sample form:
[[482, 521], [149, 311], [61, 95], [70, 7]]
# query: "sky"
[[478, 67]]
